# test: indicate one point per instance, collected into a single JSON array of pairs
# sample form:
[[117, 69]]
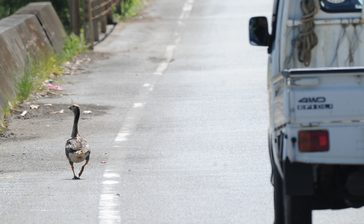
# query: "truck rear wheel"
[[289, 209], [278, 198], [297, 209]]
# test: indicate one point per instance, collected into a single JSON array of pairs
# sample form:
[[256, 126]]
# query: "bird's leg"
[[73, 170], [83, 167]]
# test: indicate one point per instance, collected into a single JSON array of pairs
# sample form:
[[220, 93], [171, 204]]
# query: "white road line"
[[109, 205], [110, 182], [149, 86], [187, 9], [170, 50], [110, 201], [180, 23], [161, 68], [122, 137], [111, 175], [138, 105], [177, 40]]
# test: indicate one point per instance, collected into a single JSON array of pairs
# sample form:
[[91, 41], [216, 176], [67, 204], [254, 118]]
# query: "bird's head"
[[74, 107]]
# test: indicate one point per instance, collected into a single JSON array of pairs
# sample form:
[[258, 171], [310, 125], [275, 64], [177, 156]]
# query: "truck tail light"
[[313, 141]]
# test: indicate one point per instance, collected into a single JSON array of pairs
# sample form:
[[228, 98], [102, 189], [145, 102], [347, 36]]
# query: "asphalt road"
[[177, 130]]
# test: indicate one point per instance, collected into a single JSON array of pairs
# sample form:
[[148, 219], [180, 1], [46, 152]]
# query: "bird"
[[77, 149]]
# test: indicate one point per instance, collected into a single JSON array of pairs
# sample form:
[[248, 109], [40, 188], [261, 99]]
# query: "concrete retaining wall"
[[23, 39], [50, 22]]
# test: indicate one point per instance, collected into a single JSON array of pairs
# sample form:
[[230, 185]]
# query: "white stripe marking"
[[111, 175], [109, 209], [168, 58], [122, 137], [170, 52], [187, 7], [110, 204], [138, 105], [177, 40], [110, 182], [161, 68]]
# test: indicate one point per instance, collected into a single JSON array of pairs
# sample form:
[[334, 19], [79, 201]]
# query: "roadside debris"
[[58, 112], [34, 107], [49, 83], [24, 113], [70, 68], [7, 135]]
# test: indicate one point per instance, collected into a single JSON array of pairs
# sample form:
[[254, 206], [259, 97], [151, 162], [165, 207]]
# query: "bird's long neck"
[[75, 123]]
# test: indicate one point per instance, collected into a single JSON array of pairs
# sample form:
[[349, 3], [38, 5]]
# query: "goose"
[[77, 149]]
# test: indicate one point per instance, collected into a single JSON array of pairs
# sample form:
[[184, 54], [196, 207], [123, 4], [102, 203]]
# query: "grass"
[[25, 86], [129, 8], [7, 112], [74, 45], [37, 72]]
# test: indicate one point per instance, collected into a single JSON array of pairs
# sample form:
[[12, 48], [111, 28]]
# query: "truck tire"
[[297, 209], [278, 197], [289, 209]]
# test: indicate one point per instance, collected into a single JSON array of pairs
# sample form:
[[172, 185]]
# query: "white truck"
[[316, 105]]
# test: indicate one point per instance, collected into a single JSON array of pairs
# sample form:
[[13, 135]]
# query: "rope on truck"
[[307, 38]]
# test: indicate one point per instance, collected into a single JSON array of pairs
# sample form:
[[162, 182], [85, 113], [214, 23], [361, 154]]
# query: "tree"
[[8, 7]]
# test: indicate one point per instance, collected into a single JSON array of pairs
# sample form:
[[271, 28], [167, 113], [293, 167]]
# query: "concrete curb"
[[25, 37]]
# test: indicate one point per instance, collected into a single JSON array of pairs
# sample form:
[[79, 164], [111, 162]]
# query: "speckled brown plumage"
[[77, 149]]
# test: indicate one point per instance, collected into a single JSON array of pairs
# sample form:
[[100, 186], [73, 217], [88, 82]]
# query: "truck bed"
[[329, 99]]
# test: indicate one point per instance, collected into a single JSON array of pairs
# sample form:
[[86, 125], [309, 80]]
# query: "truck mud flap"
[[298, 179]]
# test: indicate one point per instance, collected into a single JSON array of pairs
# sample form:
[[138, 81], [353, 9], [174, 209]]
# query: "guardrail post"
[[109, 17], [95, 12], [104, 17], [74, 6], [89, 31]]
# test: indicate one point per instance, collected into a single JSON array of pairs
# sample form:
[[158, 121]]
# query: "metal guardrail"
[[93, 16]]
